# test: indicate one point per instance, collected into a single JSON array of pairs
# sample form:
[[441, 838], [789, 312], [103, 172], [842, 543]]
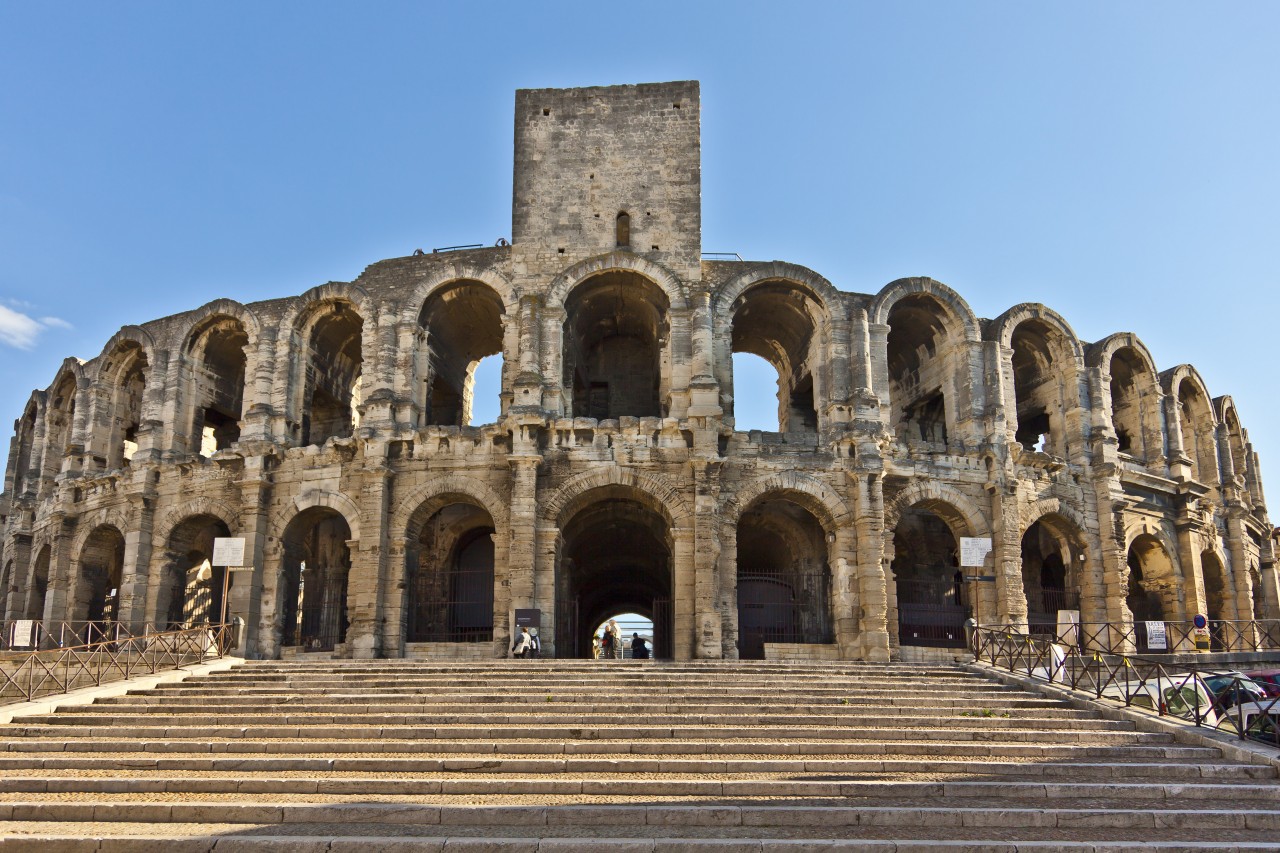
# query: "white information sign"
[[228, 552], [23, 633], [974, 551], [1156, 637], [1069, 627]]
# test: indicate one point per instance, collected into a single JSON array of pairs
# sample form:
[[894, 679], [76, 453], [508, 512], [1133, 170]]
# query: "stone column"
[[1188, 572], [137, 550], [728, 590], [368, 556], [526, 585], [1011, 598], [246, 593], [551, 357], [59, 598], [21, 568], [704, 391], [683, 593], [706, 556], [262, 419], [873, 592], [1240, 603]]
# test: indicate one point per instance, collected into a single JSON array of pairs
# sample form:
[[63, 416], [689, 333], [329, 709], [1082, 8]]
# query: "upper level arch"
[[461, 322], [1045, 365], [956, 315], [121, 406], [60, 416], [1235, 442], [1197, 424], [216, 354], [659, 275], [330, 332], [412, 306], [1132, 390], [783, 315]]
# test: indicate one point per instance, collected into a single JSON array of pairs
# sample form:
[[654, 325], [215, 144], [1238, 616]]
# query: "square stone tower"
[[605, 168]]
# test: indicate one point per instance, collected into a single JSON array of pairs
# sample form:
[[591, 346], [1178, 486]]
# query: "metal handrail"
[[1112, 638], [1138, 683], [48, 672]]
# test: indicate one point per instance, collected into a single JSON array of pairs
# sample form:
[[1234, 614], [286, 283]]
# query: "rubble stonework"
[[328, 430]]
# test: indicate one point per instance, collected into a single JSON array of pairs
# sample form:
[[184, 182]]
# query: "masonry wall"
[[1159, 506]]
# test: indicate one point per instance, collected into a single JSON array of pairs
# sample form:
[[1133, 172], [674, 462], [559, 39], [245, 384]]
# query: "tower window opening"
[[623, 230]]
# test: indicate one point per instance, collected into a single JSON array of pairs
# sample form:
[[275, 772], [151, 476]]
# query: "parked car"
[[1267, 679], [1231, 688]]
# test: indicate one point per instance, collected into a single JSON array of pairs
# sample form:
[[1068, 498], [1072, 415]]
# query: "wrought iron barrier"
[[1247, 635], [1225, 701], [115, 657]]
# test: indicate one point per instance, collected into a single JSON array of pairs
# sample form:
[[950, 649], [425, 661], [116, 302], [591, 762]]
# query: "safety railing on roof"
[[107, 656], [1216, 699]]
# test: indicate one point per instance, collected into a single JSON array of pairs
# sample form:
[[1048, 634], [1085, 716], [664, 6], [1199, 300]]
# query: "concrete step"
[[943, 751]]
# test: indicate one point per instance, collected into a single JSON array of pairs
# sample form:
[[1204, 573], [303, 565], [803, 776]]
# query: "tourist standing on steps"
[[606, 644], [535, 645], [520, 649], [615, 641], [639, 648]]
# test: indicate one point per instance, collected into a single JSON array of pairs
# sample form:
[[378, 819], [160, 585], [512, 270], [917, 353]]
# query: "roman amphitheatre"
[[332, 431]]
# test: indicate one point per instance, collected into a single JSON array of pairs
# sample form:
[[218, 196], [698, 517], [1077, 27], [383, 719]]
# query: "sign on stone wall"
[[228, 552], [974, 551], [1156, 636]]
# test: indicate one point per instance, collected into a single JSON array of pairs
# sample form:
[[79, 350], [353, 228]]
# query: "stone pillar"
[[60, 596], [704, 391], [1105, 581], [366, 579], [1011, 597], [551, 360], [873, 591], [706, 556], [526, 381], [1240, 603], [262, 419], [526, 584], [1190, 576], [683, 593], [137, 550], [727, 571], [245, 597], [1179, 461], [13, 586]]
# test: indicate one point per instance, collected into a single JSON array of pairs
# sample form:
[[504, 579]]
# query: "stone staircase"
[[589, 756]]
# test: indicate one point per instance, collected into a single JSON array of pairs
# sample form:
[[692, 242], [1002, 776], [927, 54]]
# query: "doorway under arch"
[[1152, 594], [191, 586], [616, 557], [313, 583], [449, 567], [929, 586]]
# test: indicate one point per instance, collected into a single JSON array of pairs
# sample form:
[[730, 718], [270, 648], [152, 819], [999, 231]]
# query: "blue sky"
[[1114, 161]]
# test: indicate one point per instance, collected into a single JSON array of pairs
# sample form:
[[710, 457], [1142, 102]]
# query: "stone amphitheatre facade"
[[331, 431]]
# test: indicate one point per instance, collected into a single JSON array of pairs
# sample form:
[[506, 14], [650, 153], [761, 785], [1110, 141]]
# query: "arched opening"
[[1134, 404], [26, 443], [216, 373], [313, 585], [1199, 442], [331, 395], [1236, 444], [622, 231], [1152, 593], [784, 578], [779, 322], [919, 336], [39, 585], [1037, 387], [615, 337], [101, 564], [1255, 591], [449, 568], [754, 402], [1215, 599], [60, 415], [121, 390], [1050, 580], [7, 589], [191, 586], [926, 579], [615, 557], [635, 637], [461, 324]]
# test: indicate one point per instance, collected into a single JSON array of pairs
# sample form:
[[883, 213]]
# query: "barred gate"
[[932, 613], [782, 608]]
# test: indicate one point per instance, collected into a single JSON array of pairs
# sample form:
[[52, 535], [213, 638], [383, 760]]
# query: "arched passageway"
[[921, 331], [615, 339], [615, 558], [927, 583], [101, 566], [1152, 594], [39, 585], [461, 324], [190, 590], [1218, 608], [313, 586], [449, 573], [1050, 580], [331, 398], [784, 578], [779, 322], [216, 374]]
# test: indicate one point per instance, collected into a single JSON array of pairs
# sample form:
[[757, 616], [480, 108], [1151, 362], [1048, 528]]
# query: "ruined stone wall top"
[[582, 156]]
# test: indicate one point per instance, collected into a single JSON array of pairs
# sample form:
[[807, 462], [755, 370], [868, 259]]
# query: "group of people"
[[607, 646], [527, 645]]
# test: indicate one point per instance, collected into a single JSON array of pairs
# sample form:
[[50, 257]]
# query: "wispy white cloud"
[[20, 331]]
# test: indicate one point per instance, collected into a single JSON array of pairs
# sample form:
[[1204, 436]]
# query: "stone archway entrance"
[[317, 560], [615, 557]]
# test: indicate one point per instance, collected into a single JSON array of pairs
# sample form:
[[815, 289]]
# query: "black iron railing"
[[1206, 698]]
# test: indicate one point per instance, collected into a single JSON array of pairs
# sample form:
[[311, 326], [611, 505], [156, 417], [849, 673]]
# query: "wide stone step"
[[983, 793], [549, 716], [433, 732], [625, 766], [1046, 751], [655, 817]]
